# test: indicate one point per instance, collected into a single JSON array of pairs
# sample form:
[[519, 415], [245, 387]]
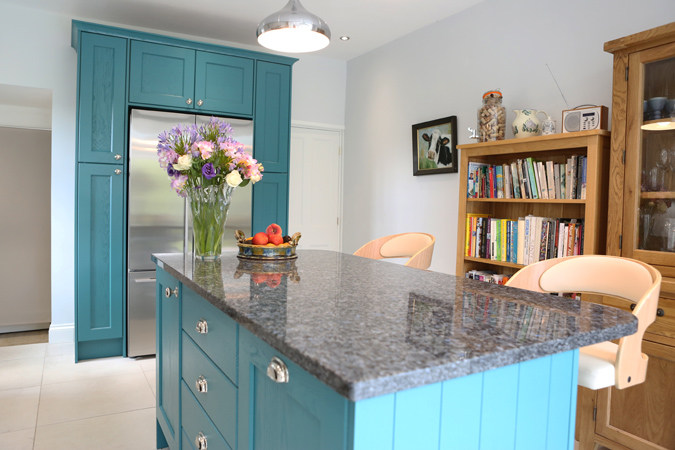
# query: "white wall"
[[444, 70], [36, 52]]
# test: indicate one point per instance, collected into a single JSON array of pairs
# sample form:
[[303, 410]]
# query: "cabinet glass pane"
[[656, 227]]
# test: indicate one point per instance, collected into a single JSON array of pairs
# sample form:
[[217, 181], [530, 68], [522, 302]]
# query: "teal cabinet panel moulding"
[[168, 309], [101, 99], [301, 414], [100, 264], [270, 202], [272, 139], [80, 26], [224, 84], [161, 75]]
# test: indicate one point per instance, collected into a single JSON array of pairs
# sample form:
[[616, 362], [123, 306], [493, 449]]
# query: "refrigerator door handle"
[[145, 280]]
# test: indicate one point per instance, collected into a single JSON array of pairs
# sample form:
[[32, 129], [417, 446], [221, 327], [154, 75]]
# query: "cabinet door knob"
[[201, 384], [200, 102], [188, 101], [168, 292], [118, 157], [277, 371], [202, 326], [660, 312], [200, 441], [118, 171]]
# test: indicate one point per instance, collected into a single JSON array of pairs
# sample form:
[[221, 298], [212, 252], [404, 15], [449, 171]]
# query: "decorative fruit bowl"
[[283, 251]]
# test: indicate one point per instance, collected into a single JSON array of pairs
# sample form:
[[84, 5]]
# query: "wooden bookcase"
[[593, 144]]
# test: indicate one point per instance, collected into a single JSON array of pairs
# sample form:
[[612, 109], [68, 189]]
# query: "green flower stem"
[[209, 206]]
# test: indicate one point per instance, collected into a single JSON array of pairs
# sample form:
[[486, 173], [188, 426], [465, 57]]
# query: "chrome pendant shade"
[[293, 29]]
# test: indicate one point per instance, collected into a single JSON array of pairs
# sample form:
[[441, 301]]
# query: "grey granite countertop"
[[367, 328]]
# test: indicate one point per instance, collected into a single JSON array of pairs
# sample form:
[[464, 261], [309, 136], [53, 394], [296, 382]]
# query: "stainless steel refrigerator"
[[159, 220]]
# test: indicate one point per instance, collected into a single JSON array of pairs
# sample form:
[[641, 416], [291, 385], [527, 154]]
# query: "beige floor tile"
[[20, 373], [130, 430], [152, 380], [18, 440], [22, 352], [147, 364], [18, 409], [62, 368], [61, 348], [92, 397]]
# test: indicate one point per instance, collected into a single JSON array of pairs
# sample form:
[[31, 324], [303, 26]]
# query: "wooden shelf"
[[493, 262], [528, 200], [658, 194]]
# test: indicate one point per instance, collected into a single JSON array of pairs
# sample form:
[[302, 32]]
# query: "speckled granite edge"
[[355, 389]]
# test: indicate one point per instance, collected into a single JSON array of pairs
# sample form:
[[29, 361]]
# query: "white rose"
[[233, 178], [255, 178], [184, 162]]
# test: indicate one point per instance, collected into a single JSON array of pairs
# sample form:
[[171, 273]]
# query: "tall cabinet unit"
[[641, 225], [120, 70], [593, 144]]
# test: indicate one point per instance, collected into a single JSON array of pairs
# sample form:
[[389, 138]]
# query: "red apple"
[[273, 229], [276, 239], [260, 239]]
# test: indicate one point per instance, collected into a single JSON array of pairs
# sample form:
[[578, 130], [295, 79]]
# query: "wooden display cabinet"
[[593, 144], [641, 225]]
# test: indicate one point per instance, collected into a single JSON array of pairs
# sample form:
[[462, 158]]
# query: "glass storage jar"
[[491, 118]]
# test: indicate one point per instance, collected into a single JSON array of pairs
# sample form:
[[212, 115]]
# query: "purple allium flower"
[[209, 171]]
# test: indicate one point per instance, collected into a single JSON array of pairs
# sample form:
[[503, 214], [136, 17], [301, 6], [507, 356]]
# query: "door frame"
[[340, 129]]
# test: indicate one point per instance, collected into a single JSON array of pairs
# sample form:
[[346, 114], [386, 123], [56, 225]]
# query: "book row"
[[529, 179], [524, 241]]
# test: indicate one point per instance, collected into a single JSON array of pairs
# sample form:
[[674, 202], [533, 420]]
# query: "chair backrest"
[[605, 275], [419, 247]]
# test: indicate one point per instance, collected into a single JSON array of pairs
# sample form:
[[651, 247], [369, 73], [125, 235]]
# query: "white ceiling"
[[369, 23]]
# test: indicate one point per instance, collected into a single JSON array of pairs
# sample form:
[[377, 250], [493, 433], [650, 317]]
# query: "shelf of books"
[[526, 200]]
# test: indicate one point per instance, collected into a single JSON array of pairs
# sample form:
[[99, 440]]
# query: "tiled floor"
[[47, 402]]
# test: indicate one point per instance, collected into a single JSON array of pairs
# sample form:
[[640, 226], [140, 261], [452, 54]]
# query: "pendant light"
[[293, 29]]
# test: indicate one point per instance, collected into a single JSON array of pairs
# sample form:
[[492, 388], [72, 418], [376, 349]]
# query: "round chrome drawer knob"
[[200, 441], [277, 371], [188, 101], [200, 102], [202, 327], [201, 384]]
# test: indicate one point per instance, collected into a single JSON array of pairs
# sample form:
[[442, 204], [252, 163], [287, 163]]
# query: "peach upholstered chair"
[[605, 364], [418, 247]]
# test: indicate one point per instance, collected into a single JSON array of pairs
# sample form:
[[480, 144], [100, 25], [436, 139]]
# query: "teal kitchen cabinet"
[[101, 99], [202, 82], [169, 297], [100, 260], [270, 201], [302, 413], [272, 135]]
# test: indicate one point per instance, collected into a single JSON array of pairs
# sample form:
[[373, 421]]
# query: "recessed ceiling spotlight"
[[344, 38]]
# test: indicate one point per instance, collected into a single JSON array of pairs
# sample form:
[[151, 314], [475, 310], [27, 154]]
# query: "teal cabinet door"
[[100, 104], [161, 75], [224, 84], [100, 260], [271, 144], [270, 202], [169, 296], [301, 414]]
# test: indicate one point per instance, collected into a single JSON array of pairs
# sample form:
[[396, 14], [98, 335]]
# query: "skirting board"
[[62, 333], [24, 327]]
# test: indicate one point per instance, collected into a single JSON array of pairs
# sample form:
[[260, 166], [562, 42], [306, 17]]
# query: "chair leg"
[[586, 399]]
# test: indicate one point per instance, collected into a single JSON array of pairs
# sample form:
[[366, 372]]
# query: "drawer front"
[[220, 340], [220, 399], [663, 325], [195, 421]]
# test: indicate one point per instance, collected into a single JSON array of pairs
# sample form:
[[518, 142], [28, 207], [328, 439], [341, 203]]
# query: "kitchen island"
[[335, 351]]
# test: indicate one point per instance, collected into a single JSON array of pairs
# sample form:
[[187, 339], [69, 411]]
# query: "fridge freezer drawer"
[[141, 313]]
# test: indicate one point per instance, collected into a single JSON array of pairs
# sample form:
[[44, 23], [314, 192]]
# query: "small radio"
[[580, 119]]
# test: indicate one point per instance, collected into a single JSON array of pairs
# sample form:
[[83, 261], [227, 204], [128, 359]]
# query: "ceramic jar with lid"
[[491, 118]]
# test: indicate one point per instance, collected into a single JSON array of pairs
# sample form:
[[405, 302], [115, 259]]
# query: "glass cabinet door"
[[650, 156]]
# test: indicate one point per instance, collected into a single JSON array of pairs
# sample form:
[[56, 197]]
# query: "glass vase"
[[208, 207]]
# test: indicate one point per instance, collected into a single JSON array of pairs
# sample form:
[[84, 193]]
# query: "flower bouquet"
[[205, 164]]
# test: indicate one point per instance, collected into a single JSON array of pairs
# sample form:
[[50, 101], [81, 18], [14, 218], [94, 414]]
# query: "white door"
[[314, 187]]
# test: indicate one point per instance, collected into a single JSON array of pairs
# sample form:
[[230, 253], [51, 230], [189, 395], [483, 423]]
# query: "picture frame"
[[442, 134]]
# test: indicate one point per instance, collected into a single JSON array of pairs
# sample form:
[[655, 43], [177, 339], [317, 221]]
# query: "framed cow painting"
[[435, 147]]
